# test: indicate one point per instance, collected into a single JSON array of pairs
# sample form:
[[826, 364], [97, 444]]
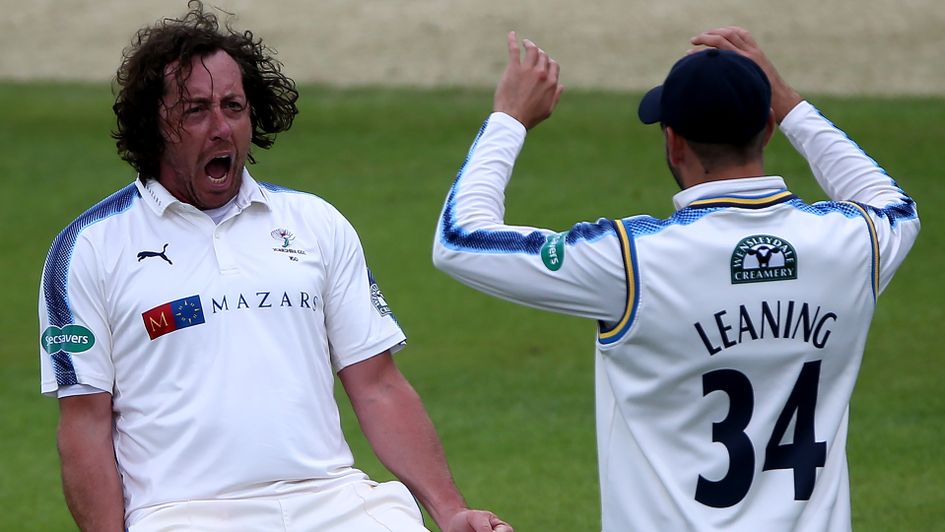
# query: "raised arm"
[[572, 272]]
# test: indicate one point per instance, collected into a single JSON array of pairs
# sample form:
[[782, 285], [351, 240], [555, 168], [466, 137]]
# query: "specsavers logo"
[[762, 258], [71, 338], [552, 251]]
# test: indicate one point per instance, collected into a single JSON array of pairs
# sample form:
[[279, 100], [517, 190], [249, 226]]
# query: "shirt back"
[[723, 392]]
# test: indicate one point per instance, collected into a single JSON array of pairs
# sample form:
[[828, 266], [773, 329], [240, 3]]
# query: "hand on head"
[[739, 40], [529, 88]]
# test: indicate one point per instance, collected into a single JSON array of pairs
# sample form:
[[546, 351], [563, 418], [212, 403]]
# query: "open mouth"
[[218, 168]]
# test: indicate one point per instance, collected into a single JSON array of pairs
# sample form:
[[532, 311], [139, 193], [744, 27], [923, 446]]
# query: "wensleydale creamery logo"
[[762, 258], [71, 339]]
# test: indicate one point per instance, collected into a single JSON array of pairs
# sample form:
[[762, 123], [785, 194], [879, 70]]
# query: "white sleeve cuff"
[[796, 115], [508, 121], [77, 389]]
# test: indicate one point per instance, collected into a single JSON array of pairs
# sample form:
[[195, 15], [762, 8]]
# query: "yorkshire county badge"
[[285, 237], [763, 258], [282, 235], [377, 298]]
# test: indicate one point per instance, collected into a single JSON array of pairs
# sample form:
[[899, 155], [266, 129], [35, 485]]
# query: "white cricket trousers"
[[362, 506]]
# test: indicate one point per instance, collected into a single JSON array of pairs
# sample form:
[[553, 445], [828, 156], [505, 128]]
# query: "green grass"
[[510, 389]]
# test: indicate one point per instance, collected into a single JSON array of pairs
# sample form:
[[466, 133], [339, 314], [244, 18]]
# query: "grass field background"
[[510, 389]]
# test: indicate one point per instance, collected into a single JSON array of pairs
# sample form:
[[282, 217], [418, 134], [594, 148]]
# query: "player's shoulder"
[[116, 204], [645, 225], [641, 225], [291, 197], [846, 209], [307, 207]]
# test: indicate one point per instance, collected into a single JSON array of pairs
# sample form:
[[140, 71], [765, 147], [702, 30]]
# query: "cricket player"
[[193, 322], [729, 334]]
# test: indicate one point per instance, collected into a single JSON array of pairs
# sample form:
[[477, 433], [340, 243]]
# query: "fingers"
[[481, 521], [539, 60], [542, 64], [478, 521], [532, 52], [515, 54], [741, 38], [553, 68], [738, 40], [529, 89], [499, 525], [558, 90], [731, 38], [712, 40], [534, 56]]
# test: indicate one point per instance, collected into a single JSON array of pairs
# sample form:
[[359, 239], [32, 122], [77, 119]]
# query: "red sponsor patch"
[[170, 317], [159, 321]]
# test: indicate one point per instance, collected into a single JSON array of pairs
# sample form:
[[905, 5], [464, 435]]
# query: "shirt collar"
[[743, 188], [159, 199]]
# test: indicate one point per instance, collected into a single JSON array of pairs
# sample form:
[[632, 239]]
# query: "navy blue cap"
[[712, 96]]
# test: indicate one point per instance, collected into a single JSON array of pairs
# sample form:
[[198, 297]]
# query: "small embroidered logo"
[[377, 298], [283, 235], [147, 254]]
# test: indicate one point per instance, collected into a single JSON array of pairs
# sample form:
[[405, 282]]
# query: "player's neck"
[[701, 175]]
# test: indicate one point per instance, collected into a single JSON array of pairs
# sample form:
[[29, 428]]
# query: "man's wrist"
[[508, 120], [783, 101]]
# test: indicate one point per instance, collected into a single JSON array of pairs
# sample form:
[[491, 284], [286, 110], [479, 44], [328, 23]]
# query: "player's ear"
[[675, 147], [770, 127]]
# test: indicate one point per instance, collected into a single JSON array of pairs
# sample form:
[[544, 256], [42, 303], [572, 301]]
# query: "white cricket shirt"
[[730, 334], [219, 343]]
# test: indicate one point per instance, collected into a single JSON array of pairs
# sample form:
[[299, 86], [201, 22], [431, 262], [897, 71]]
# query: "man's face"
[[207, 131]]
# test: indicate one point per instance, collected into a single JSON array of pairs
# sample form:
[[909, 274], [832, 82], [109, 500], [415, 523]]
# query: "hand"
[[529, 88], [783, 97], [477, 521]]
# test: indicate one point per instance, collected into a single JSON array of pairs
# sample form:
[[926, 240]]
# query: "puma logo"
[[147, 254]]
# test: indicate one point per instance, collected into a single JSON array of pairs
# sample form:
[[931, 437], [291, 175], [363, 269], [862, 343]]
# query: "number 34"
[[804, 454]]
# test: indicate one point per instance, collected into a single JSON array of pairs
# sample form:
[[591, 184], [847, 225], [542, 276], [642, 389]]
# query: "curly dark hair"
[[140, 83]]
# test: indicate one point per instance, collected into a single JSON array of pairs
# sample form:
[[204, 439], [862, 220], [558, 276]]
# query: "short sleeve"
[[75, 339], [359, 319]]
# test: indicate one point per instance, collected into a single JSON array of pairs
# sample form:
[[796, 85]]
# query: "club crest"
[[377, 298], [283, 235]]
